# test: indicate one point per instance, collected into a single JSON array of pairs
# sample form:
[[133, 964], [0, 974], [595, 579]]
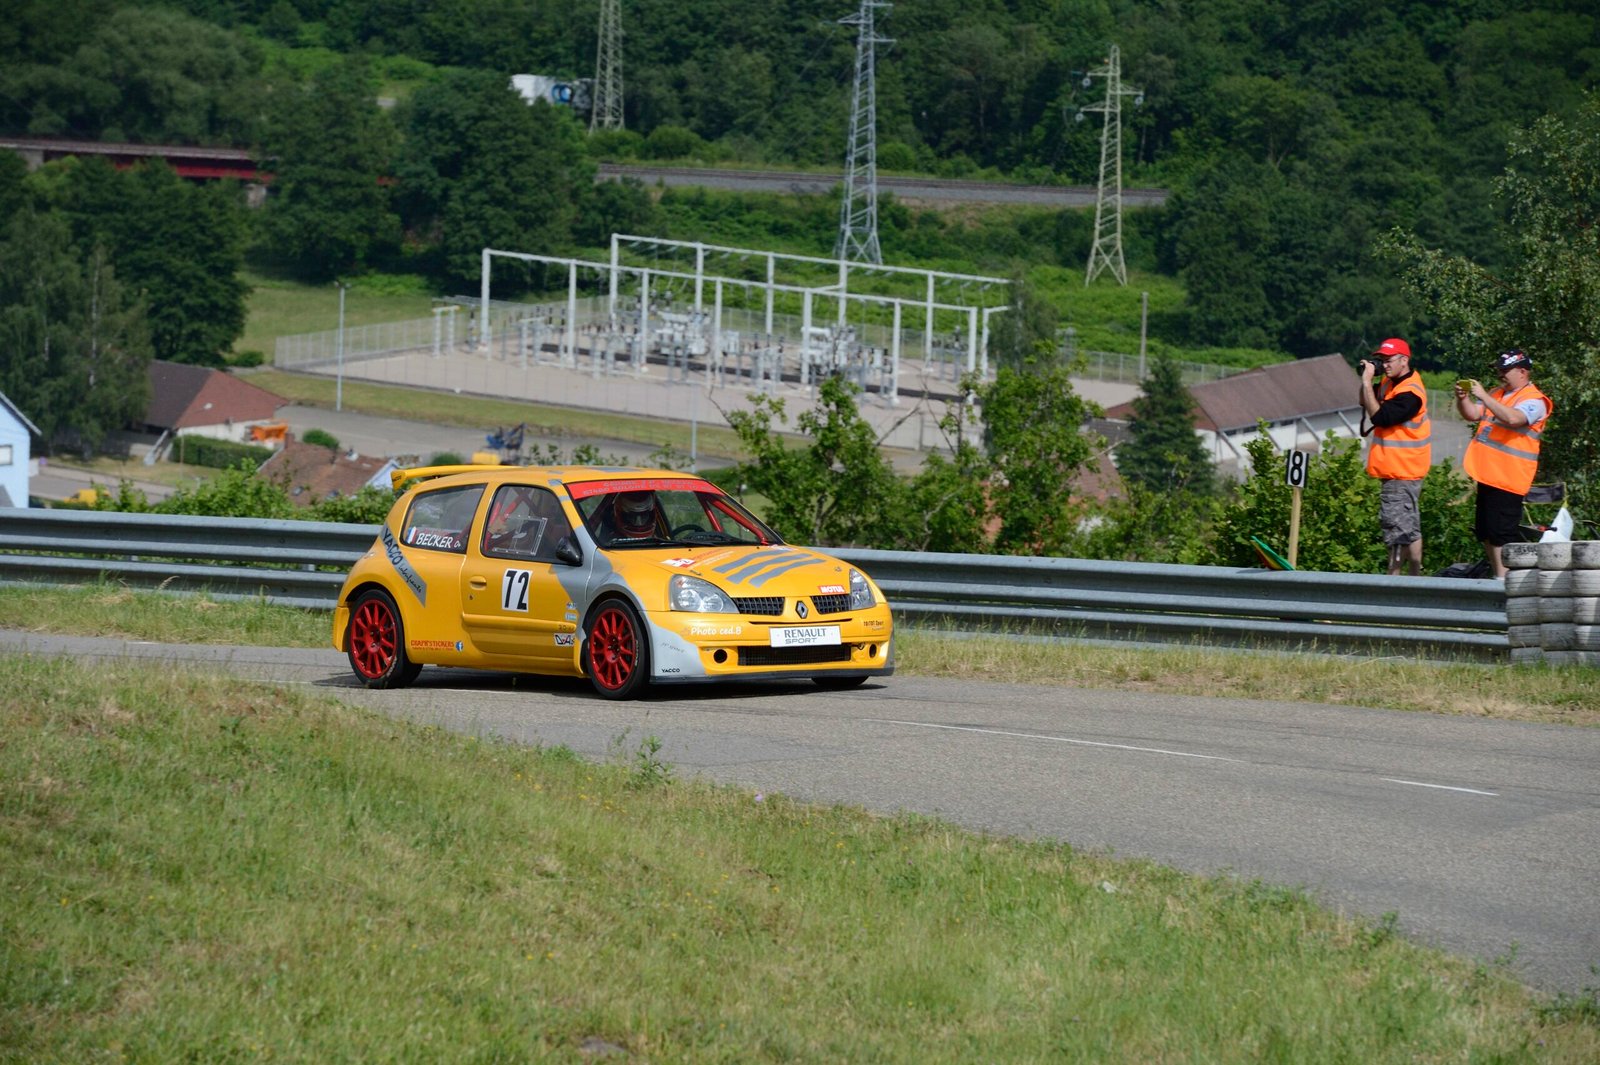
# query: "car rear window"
[[441, 520]]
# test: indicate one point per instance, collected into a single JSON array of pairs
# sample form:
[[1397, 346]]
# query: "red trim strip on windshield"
[[585, 489]]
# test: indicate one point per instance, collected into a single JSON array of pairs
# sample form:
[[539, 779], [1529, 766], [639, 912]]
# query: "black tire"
[[376, 642], [616, 650], [838, 684]]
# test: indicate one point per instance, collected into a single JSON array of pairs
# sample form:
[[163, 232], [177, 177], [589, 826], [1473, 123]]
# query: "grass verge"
[[1562, 695], [202, 869]]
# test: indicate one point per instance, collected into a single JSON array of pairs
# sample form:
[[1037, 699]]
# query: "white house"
[[17, 463]]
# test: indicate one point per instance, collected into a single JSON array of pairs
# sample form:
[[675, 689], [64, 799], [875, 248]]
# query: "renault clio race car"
[[626, 576]]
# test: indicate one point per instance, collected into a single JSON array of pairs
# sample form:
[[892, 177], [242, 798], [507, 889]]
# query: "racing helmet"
[[634, 514]]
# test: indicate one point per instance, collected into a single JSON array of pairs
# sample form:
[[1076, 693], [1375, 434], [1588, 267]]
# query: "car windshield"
[[662, 512]]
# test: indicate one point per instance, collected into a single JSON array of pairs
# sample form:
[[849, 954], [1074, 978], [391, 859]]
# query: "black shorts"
[[1499, 516]]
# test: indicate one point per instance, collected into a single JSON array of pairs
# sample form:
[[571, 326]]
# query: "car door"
[[512, 599], [428, 555]]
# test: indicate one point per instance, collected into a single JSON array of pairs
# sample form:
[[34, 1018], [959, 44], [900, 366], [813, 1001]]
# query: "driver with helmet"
[[633, 515]]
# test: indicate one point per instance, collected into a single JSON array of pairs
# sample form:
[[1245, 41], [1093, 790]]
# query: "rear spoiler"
[[423, 473]]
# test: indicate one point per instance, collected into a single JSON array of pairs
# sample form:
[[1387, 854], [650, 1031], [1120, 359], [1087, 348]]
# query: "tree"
[[328, 145], [180, 246], [74, 348], [1163, 453], [837, 490], [482, 168], [1544, 300], [1033, 436], [1024, 335]]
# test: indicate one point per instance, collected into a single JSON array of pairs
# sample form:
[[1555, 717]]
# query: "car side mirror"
[[568, 552]]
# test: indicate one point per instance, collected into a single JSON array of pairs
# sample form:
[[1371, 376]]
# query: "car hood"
[[748, 570]]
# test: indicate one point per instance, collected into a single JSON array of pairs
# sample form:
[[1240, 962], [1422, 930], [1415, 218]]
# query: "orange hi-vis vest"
[[1504, 457], [1402, 452]]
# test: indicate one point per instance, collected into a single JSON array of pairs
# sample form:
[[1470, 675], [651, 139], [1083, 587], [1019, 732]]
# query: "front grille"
[[831, 604], [793, 656], [760, 604]]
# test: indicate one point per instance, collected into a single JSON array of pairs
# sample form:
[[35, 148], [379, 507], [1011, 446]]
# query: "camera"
[[1377, 365]]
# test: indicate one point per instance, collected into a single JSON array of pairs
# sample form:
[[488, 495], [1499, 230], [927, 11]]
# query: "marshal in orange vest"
[[1402, 452], [1504, 457]]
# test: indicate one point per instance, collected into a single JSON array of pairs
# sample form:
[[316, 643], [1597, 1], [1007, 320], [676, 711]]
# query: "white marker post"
[[1295, 465]]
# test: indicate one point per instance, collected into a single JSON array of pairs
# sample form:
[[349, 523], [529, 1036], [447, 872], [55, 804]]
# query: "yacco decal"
[[564, 639], [397, 559], [585, 489]]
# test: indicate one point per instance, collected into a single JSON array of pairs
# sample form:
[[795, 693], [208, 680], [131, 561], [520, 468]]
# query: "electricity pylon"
[[607, 113], [858, 213], [1107, 250]]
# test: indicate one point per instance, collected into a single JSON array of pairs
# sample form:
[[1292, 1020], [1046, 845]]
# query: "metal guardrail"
[[302, 563]]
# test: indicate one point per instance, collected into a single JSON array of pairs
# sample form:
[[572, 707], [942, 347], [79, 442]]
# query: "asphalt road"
[[1482, 836]]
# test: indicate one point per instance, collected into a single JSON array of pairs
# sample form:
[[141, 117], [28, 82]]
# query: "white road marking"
[[1055, 739], [1442, 787]]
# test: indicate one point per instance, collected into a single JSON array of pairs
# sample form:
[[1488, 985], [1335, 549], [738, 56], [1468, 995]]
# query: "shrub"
[[320, 437], [218, 454]]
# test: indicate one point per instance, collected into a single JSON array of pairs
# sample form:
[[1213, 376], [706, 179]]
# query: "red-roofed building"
[[311, 473], [195, 400], [1300, 401]]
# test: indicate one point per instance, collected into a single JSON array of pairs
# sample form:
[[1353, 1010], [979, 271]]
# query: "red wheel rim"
[[372, 638], [613, 648]]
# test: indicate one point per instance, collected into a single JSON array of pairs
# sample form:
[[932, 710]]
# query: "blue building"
[[16, 454]]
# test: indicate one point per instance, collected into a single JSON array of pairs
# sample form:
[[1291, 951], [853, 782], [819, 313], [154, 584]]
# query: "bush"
[[446, 458], [248, 357], [320, 437], [218, 454], [673, 142]]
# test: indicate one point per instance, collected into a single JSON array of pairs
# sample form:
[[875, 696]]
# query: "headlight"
[[860, 592], [702, 597]]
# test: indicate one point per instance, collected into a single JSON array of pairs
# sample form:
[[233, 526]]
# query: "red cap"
[[1393, 346]]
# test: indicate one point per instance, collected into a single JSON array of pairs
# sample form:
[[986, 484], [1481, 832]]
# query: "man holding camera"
[[1400, 451], [1504, 453]]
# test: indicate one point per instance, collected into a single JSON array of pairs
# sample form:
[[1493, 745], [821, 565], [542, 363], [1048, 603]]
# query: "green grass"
[[279, 307], [201, 869], [1552, 695]]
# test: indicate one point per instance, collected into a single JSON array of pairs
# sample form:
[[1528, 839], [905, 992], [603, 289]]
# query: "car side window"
[[440, 520], [525, 523]]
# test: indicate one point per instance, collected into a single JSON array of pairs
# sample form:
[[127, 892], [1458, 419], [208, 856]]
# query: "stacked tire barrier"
[[1553, 602]]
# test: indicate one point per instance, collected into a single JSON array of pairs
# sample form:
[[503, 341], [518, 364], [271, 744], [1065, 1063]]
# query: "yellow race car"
[[626, 576]]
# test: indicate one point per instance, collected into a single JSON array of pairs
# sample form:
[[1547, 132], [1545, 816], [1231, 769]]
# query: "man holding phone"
[[1400, 450], [1504, 453]]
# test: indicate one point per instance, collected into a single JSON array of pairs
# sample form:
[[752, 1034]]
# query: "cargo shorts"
[[1398, 513]]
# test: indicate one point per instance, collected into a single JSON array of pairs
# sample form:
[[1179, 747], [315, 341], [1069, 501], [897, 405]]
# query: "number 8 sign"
[[1296, 463]]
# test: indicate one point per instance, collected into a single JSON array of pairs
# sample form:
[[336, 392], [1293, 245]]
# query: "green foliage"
[[446, 458], [1543, 300], [1034, 439], [74, 343], [838, 490], [328, 145], [1152, 526], [320, 437], [180, 245], [1164, 454], [481, 168], [217, 454], [1025, 334], [367, 507], [1339, 529], [236, 493]]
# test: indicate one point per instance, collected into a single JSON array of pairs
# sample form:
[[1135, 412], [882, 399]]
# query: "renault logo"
[[800, 608]]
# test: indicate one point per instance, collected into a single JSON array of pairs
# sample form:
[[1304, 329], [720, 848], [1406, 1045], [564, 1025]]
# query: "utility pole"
[[1107, 250], [607, 113], [338, 385], [858, 212]]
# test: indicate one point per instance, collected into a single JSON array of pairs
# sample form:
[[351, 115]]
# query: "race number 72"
[[514, 590]]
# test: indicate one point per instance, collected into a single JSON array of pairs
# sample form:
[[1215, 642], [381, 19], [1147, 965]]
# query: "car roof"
[[445, 476]]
